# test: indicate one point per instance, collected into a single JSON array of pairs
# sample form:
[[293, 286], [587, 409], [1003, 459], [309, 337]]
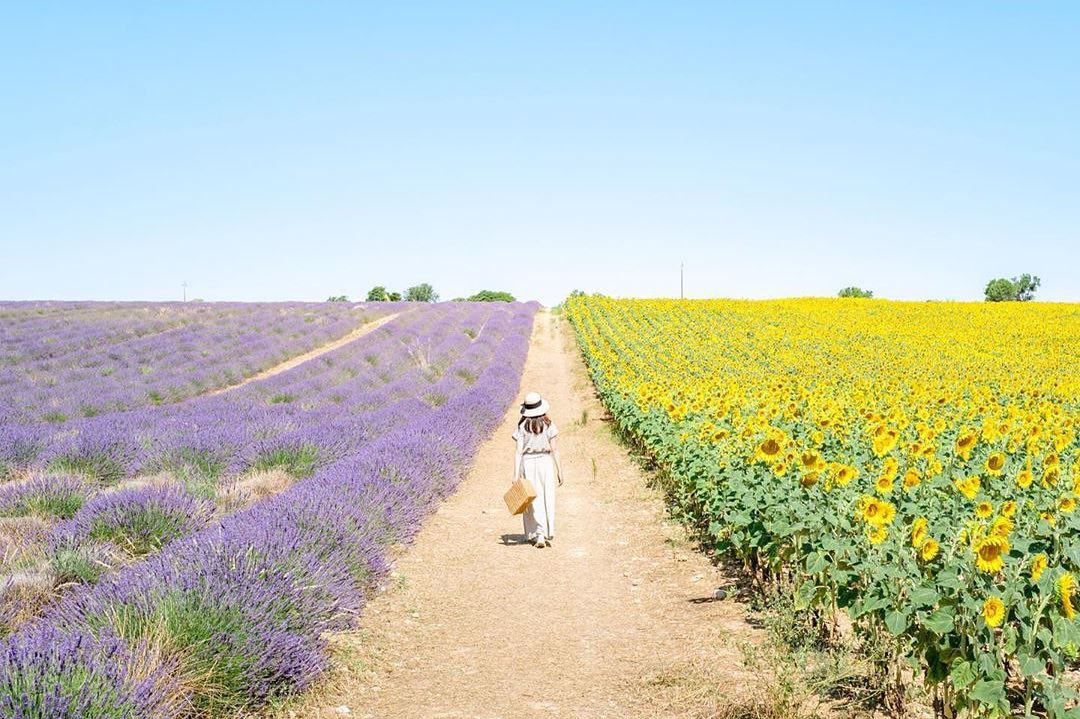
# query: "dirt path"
[[321, 350], [617, 619]]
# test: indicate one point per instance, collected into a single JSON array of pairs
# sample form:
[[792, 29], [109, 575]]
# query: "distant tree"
[[1000, 290], [377, 294], [1018, 289], [577, 293], [393, 297], [491, 296], [421, 293], [856, 292], [337, 298], [1026, 286]]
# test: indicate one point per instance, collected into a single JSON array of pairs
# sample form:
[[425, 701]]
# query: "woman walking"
[[537, 459]]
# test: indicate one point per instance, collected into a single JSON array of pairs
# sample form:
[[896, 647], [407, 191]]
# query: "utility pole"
[[184, 285], [681, 294]]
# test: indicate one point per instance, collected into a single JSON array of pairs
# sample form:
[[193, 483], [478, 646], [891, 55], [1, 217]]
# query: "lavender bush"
[[139, 520], [45, 496], [47, 674]]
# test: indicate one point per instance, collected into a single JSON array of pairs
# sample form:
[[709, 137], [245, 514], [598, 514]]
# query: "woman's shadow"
[[510, 540]]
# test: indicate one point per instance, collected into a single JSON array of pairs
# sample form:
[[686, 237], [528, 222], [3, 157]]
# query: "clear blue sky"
[[265, 151]]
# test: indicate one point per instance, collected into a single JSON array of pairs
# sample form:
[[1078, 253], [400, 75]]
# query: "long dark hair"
[[535, 425]]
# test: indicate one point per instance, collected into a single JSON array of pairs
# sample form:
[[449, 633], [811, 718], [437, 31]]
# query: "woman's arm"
[[555, 459], [519, 449]]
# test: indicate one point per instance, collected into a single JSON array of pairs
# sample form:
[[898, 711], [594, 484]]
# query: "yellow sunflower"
[[995, 462], [983, 510], [876, 512], [911, 480], [990, 552], [969, 487], [993, 611], [845, 473], [877, 535], [1008, 509], [1002, 527], [965, 442], [884, 484], [1066, 505], [1066, 586], [929, 549], [1025, 478], [1038, 566], [1051, 476], [918, 532]]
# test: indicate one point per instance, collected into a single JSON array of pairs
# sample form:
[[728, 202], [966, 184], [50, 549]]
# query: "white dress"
[[539, 468]]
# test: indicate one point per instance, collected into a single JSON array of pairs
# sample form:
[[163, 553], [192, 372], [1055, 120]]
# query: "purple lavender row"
[[105, 365], [249, 601]]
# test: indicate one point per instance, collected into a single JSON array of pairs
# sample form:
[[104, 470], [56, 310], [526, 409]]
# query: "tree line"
[[424, 292], [1000, 289]]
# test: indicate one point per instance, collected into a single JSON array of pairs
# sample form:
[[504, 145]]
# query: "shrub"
[[491, 296], [47, 496], [139, 521], [300, 461], [50, 675]]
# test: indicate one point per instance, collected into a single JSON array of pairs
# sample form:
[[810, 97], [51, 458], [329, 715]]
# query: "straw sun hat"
[[534, 405]]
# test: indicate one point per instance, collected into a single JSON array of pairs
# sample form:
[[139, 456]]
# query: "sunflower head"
[[876, 535], [984, 510], [1066, 505], [995, 462], [990, 553], [845, 473], [993, 611], [969, 487], [919, 532], [876, 512], [1038, 566], [1008, 509], [911, 480], [884, 484], [929, 550], [1002, 527], [965, 442], [770, 447], [1066, 586]]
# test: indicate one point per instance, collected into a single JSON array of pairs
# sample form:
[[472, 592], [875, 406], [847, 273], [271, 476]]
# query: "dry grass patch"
[[24, 595], [22, 540], [253, 487]]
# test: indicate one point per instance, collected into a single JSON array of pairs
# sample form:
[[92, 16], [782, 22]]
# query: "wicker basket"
[[519, 495]]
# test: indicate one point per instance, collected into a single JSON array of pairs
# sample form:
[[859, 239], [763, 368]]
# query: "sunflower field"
[[911, 467]]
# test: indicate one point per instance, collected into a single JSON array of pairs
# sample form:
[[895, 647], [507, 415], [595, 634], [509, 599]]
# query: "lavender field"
[[177, 553], [60, 360]]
